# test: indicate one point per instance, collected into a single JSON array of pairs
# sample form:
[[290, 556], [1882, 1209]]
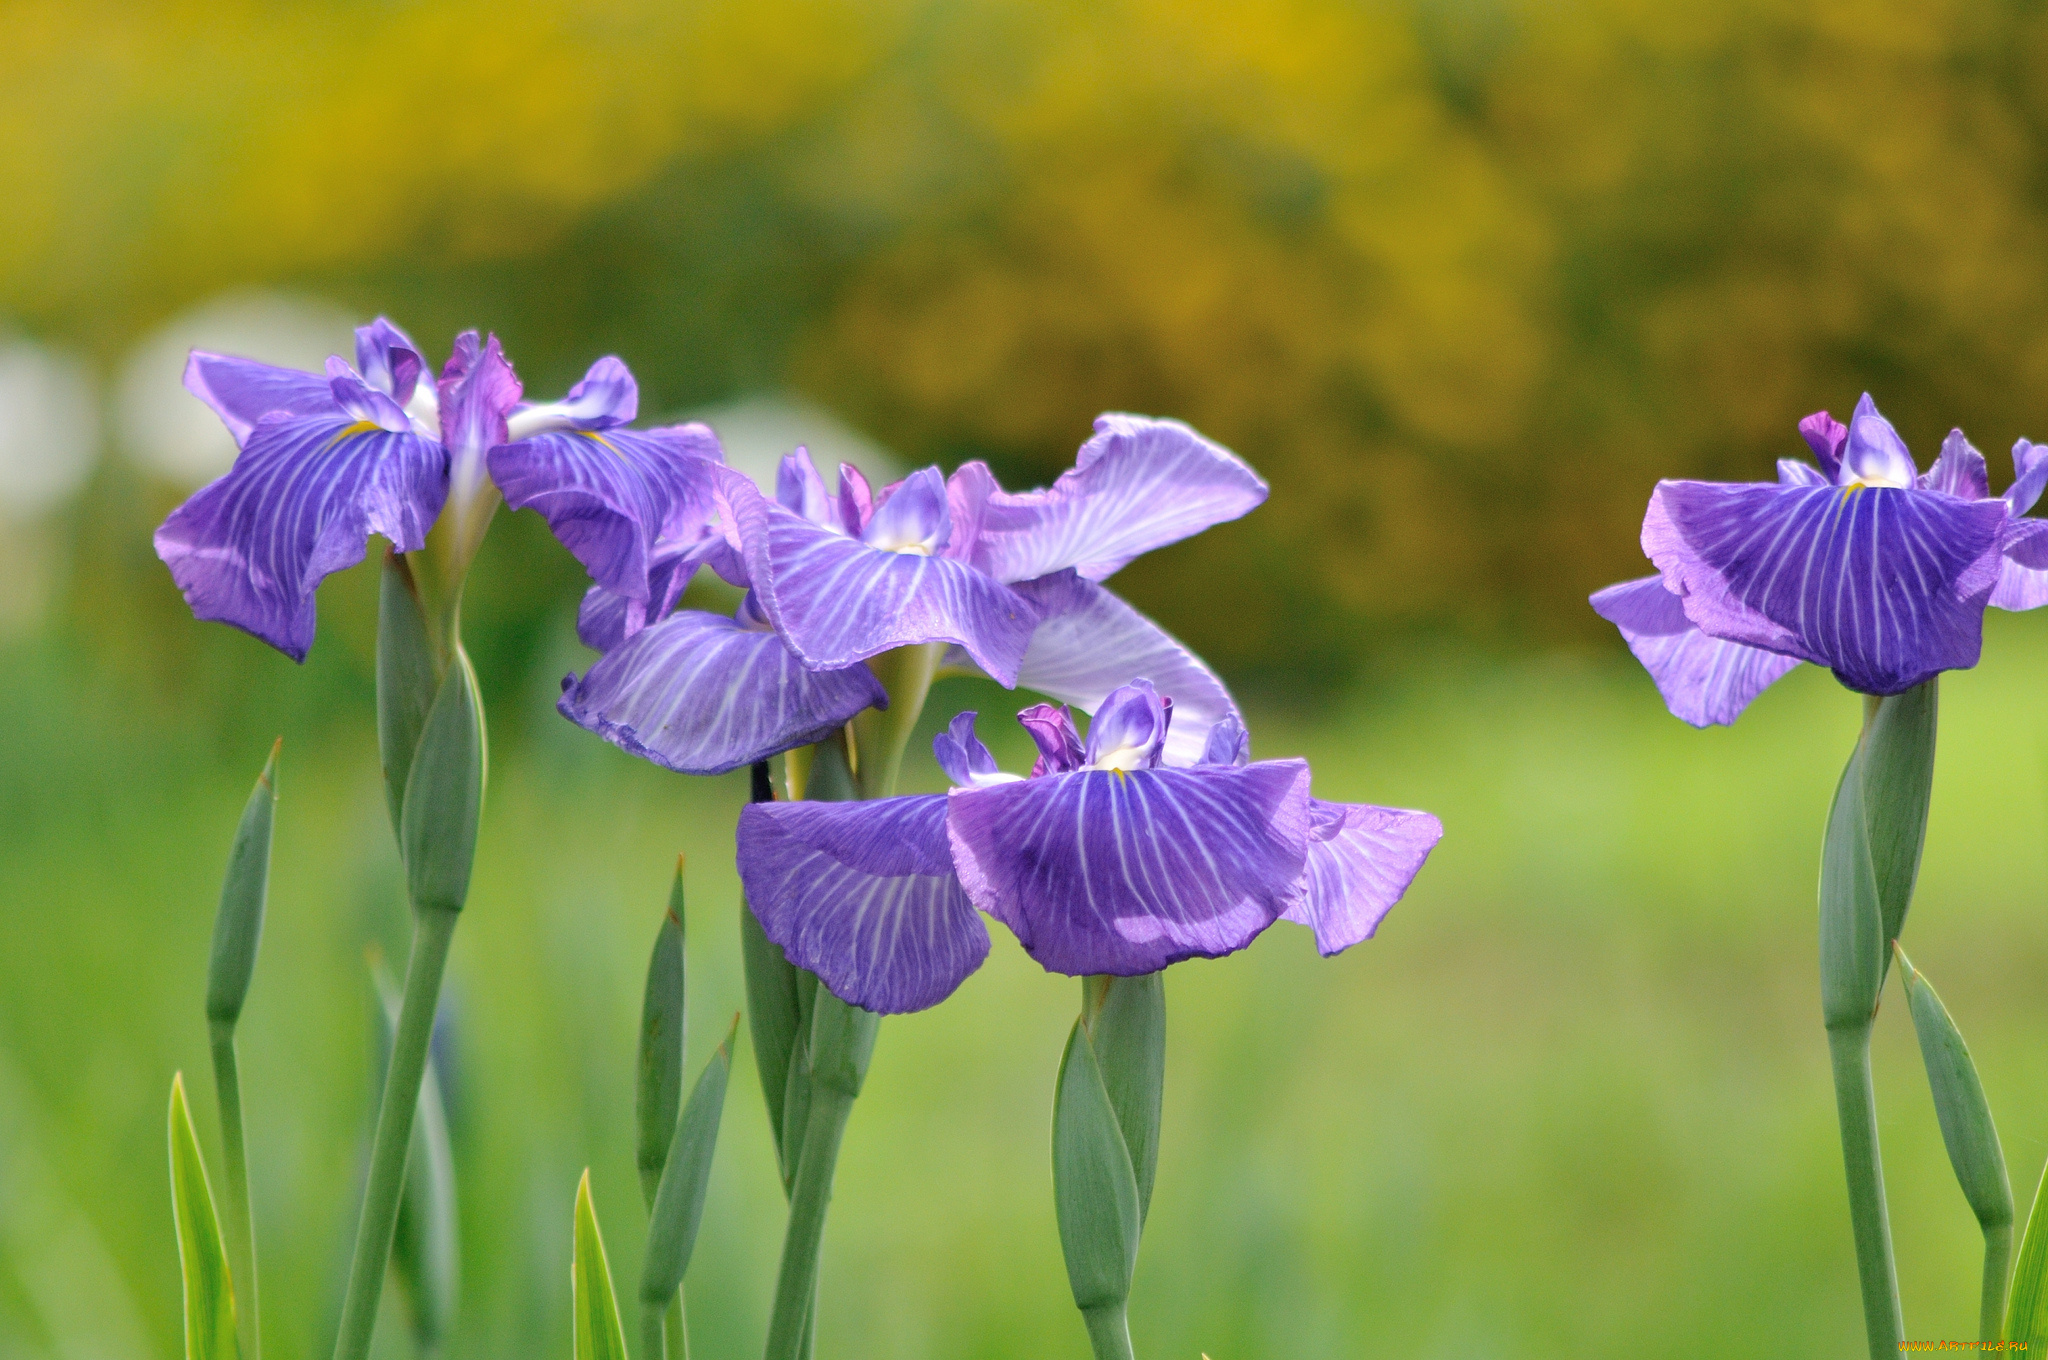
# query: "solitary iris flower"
[[1863, 565], [1110, 857], [1007, 580], [326, 461]]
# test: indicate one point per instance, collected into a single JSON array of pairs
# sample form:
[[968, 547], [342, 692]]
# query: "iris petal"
[[1705, 681], [250, 548], [2023, 570], [1959, 470], [1139, 484], [243, 391], [699, 694], [1125, 873], [1361, 859], [1886, 586], [863, 895]]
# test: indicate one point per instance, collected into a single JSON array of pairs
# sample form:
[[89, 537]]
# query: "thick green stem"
[[1856, 1107], [1997, 1273], [241, 1216], [653, 1333], [434, 930], [1109, 1332], [797, 1282], [676, 1324]]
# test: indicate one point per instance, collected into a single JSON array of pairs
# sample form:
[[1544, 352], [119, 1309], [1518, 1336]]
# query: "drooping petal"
[[1959, 470], [1052, 731], [1139, 484], [1127, 732], [2023, 569], [699, 694], [1705, 681], [2029, 475], [1826, 436], [1090, 642], [1104, 872], [608, 494], [1885, 586], [1875, 455], [1361, 859], [863, 895], [606, 618], [306, 491], [836, 600], [963, 757], [243, 391], [911, 517]]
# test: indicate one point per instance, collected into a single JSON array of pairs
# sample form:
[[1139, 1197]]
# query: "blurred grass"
[[1573, 1100]]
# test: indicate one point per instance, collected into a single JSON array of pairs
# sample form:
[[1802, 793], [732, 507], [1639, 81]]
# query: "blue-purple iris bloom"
[[1863, 564], [1110, 857], [833, 578], [382, 447]]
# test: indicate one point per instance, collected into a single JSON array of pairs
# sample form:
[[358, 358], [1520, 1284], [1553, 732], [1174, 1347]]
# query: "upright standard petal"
[[1885, 586], [1090, 642], [250, 548], [1958, 470], [1052, 730], [1139, 484], [963, 757], [1827, 437], [1361, 859], [388, 360], [608, 494], [243, 391], [2029, 475], [837, 600], [1875, 454], [699, 694], [1705, 681], [1124, 873], [1127, 732], [909, 517], [863, 895]]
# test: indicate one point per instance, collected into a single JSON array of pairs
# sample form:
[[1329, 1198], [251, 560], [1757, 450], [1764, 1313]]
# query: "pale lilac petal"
[[388, 359], [243, 391], [967, 496], [836, 600], [1139, 484], [2023, 570], [962, 756], [608, 494], [1102, 872], [608, 396], [1885, 586], [250, 548], [1052, 730], [1959, 470], [1827, 437], [362, 402], [2030, 474], [856, 501], [699, 694], [799, 488], [911, 516], [863, 895], [1705, 681], [477, 392], [1361, 859], [1792, 472], [1127, 732], [1228, 744], [1090, 642], [1875, 455], [606, 618]]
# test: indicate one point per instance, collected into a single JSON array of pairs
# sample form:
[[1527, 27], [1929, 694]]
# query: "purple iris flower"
[[380, 447], [836, 577], [1110, 857], [1864, 565]]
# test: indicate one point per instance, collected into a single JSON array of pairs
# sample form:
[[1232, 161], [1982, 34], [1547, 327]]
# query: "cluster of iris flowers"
[[1150, 839]]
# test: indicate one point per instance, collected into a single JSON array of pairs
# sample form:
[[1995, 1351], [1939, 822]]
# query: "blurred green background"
[[1461, 277]]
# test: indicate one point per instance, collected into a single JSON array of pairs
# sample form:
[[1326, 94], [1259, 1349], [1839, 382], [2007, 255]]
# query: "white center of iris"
[[917, 548], [1124, 758], [1880, 479]]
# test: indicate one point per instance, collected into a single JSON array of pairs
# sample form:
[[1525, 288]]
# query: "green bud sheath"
[[1095, 1195], [444, 795], [238, 925], [409, 671], [1126, 1022], [659, 1094], [679, 1202]]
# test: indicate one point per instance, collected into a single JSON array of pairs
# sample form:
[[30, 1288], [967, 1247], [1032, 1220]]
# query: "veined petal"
[[306, 491], [1361, 859], [606, 618], [910, 516], [1128, 730], [1139, 484], [1090, 642], [1827, 437], [1792, 472], [800, 489], [243, 391], [1125, 873], [1875, 454], [1052, 731], [608, 494], [477, 392], [699, 694], [2029, 475], [863, 895], [388, 359], [2023, 569], [608, 396], [1886, 586], [1705, 681], [966, 761], [836, 600], [1959, 470]]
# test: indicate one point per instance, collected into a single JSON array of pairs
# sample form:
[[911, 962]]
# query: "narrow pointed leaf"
[[662, 1015], [679, 1203], [202, 1256], [407, 679], [1094, 1189], [2026, 1309], [598, 1333], [1128, 1033], [1966, 1126], [238, 925], [444, 795]]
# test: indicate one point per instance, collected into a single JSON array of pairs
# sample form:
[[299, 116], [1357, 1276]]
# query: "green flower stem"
[[241, 1213], [797, 1282], [1109, 1332], [1856, 1106], [653, 1333], [431, 936], [676, 1330], [1997, 1273]]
